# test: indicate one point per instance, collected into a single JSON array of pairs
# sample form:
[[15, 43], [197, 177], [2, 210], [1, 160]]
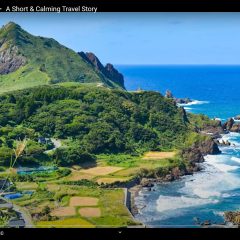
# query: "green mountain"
[[27, 61]]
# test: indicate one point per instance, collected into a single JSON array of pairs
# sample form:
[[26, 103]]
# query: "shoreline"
[[151, 182]]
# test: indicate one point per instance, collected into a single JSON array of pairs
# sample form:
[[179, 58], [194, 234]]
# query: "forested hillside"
[[96, 119]]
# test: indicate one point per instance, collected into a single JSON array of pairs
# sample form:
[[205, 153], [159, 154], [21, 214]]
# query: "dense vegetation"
[[94, 120]]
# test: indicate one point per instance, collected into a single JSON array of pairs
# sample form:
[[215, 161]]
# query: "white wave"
[[236, 120], [235, 159], [225, 168], [231, 135], [209, 186], [219, 162], [218, 119], [214, 181], [233, 138], [165, 203], [219, 213], [187, 108], [194, 102]]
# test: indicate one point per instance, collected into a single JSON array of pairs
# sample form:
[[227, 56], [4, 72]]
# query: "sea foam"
[[166, 203], [235, 159], [194, 102]]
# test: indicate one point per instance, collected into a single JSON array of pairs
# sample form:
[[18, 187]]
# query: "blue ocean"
[[206, 195]]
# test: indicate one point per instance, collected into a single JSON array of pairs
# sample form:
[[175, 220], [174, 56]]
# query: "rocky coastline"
[[195, 155], [169, 94]]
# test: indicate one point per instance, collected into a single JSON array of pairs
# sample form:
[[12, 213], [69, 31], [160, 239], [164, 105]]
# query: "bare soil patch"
[[100, 171], [158, 155], [83, 201], [77, 175], [90, 212], [64, 212]]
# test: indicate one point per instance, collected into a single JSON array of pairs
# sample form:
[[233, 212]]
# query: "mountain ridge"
[[27, 60]]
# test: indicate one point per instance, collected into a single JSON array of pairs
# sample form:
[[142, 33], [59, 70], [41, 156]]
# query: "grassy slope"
[[47, 62], [24, 77]]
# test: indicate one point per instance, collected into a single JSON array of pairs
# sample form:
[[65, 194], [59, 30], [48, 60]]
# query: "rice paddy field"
[[80, 199]]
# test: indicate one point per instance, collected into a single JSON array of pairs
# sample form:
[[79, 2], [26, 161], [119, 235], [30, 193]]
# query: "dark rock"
[[214, 130], [169, 177], [228, 125], [10, 59], [93, 60], [183, 100], [224, 143], [113, 74], [193, 155], [168, 94], [237, 117], [108, 71], [176, 173], [216, 135], [235, 128], [146, 183], [206, 223], [233, 217], [209, 147]]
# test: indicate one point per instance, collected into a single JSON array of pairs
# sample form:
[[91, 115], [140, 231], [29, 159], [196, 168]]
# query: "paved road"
[[25, 215], [57, 144]]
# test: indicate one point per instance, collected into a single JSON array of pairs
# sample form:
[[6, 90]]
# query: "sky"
[[141, 38]]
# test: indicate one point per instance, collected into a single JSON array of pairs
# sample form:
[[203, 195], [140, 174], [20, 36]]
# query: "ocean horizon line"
[[180, 65]]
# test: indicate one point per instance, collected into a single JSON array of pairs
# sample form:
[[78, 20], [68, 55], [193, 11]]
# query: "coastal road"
[[25, 215]]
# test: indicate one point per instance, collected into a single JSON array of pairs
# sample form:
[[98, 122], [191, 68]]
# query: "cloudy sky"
[[141, 38]]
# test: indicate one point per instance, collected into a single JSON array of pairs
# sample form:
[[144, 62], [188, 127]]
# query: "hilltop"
[[28, 61]]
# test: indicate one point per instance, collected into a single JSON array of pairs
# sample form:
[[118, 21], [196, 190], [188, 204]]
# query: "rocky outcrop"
[[108, 71], [113, 74], [223, 143], [147, 183], [231, 126], [213, 130], [235, 128], [183, 100], [233, 217], [209, 147], [196, 153], [193, 155], [237, 117], [228, 125], [10, 59], [93, 60], [169, 94]]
